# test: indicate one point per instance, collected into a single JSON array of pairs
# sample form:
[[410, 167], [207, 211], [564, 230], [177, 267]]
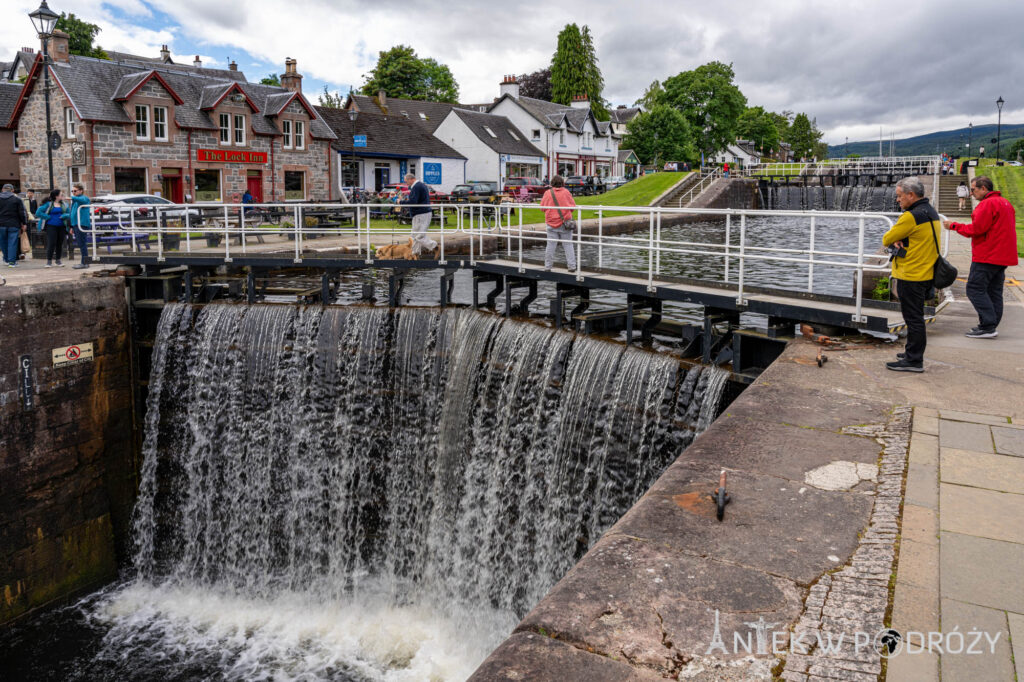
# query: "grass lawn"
[[1009, 180], [639, 192]]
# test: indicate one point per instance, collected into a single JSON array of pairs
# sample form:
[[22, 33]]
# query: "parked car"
[[142, 205], [474, 192], [614, 181], [404, 189], [535, 187], [576, 184]]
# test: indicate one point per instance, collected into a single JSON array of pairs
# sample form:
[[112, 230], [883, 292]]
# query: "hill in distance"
[[952, 141]]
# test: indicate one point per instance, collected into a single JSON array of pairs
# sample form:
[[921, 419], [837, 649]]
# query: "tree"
[[661, 134], [536, 84], [400, 73], [574, 70], [654, 94], [1016, 149], [331, 100], [710, 101], [271, 79], [758, 125], [80, 36], [801, 136]]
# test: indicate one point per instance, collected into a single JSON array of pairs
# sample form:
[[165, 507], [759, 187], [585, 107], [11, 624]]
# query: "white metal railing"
[[706, 179], [867, 164], [182, 227]]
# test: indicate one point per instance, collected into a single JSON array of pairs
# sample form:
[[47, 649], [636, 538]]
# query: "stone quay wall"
[[67, 462]]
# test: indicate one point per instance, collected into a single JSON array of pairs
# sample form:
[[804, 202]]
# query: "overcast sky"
[[908, 67]]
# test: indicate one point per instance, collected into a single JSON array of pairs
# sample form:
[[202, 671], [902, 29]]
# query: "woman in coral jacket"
[[993, 247]]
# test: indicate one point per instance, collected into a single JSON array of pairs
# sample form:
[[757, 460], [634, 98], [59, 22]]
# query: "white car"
[[615, 181], [142, 205]]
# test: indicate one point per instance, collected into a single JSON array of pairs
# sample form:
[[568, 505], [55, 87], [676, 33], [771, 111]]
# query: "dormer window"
[[141, 122], [300, 135], [239, 130], [514, 136], [423, 117], [70, 127], [286, 130], [225, 128], [160, 124], [490, 132]]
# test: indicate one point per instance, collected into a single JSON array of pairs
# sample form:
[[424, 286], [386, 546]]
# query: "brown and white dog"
[[404, 252]]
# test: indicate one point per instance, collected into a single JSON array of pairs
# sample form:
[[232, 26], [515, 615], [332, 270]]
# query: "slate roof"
[[388, 136], [624, 155], [94, 84], [624, 115], [9, 93], [158, 62], [505, 142], [4, 68], [432, 112], [553, 114]]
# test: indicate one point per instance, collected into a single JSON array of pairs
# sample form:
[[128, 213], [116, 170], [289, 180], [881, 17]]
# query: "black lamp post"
[[44, 19], [999, 125], [353, 114], [970, 134]]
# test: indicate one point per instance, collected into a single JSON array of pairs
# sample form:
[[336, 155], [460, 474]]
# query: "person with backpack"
[[560, 225], [962, 193], [12, 223], [53, 219]]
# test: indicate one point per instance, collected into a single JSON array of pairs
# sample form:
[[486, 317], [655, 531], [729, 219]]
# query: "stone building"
[[9, 171], [185, 132]]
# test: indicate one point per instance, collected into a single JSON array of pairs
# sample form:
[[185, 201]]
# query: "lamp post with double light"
[[999, 125], [43, 20]]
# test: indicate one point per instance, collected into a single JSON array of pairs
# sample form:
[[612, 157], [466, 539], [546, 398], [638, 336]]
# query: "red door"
[[254, 183], [173, 190]]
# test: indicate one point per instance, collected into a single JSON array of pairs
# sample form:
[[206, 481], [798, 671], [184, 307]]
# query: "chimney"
[[28, 49], [232, 66], [580, 102], [382, 99], [198, 63], [509, 86], [291, 79], [165, 54], [58, 46]]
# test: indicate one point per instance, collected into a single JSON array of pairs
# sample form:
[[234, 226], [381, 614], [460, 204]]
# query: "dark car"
[[404, 189], [474, 192], [534, 187], [576, 184]]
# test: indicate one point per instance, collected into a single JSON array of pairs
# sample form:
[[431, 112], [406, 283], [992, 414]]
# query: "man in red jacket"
[[993, 247]]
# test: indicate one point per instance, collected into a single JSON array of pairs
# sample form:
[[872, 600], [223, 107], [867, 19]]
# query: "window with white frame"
[[561, 136], [141, 122], [160, 124], [513, 134], [286, 130], [74, 175], [225, 128], [239, 129], [300, 135], [70, 127], [536, 134], [490, 132], [15, 140]]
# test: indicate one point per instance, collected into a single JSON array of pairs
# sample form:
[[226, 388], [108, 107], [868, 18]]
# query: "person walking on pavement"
[[915, 248], [993, 248], [52, 216], [13, 221], [559, 223], [419, 200], [31, 206], [80, 219], [962, 193]]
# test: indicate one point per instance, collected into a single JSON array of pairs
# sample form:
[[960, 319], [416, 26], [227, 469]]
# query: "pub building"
[[185, 132]]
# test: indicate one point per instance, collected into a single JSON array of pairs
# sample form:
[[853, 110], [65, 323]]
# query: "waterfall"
[[818, 198], [408, 481]]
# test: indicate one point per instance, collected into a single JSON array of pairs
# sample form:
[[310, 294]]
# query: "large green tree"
[[271, 79], [654, 94], [81, 34], [710, 101], [574, 70], [331, 100], [659, 135], [758, 125], [400, 73], [801, 136]]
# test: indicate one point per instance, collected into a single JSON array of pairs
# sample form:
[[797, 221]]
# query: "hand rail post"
[[442, 260], [227, 236], [92, 229], [298, 233], [858, 317], [579, 244], [159, 235], [241, 222], [600, 238], [188, 230], [657, 255], [520, 239], [472, 241], [743, 245], [728, 229], [650, 252], [810, 258]]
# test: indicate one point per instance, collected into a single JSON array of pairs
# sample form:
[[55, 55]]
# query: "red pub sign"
[[230, 156]]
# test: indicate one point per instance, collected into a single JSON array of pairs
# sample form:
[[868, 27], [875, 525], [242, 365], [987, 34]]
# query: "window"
[[74, 175], [412, 169], [536, 134], [239, 129], [300, 135], [207, 185], [490, 132], [294, 185], [225, 129], [160, 124], [286, 128], [129, 180], [514, 136], [350, 174], [561, 136], [70, 127], [15, 140], [141, 122], [423, 117]]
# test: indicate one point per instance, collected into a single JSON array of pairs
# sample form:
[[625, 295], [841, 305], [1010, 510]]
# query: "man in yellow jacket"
[[913, 240]]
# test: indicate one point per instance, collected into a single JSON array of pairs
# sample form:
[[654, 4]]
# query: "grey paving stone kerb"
[[854, 599]]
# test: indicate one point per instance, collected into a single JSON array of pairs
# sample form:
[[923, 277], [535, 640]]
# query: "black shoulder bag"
[[944, 274]]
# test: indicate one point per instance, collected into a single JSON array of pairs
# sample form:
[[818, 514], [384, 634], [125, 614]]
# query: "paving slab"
[[982, 470], [922, 486], [965, 436], [981, 571], [918, 565], [994, 663], [916, 608], [1017, 642], [532, 656], [803, 407], [924, 449], [973, 417], [923, 667], [929, 425], [1008, 441], [981, 512], [925, 412], [920, 525]]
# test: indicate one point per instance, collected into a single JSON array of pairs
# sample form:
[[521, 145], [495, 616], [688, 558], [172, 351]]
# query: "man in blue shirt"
[[419, 200]]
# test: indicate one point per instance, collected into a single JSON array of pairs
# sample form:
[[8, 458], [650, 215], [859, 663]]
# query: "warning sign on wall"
[[71, 355]]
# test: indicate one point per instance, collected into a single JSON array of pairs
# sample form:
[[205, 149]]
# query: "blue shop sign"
[[359, 140], [432, 173]]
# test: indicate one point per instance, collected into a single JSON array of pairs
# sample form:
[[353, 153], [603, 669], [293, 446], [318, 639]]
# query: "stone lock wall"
[[67, 463]]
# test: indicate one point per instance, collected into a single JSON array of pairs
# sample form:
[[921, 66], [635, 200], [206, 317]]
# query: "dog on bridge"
[[405, 252]]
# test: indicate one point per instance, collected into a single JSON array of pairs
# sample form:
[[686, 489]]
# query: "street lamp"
[[970, 134], [999, 125], [43, 20], [353, 114]]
